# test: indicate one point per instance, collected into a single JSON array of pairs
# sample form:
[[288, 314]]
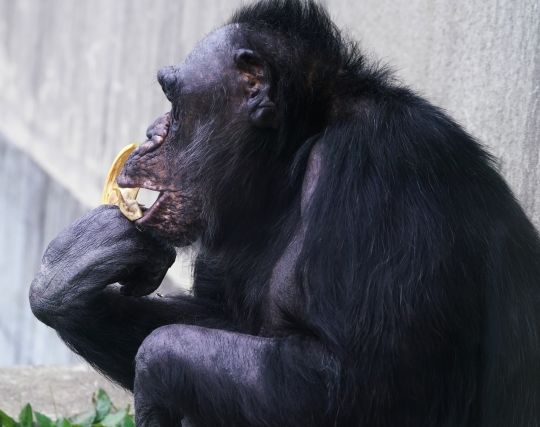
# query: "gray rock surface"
[[55, 390]]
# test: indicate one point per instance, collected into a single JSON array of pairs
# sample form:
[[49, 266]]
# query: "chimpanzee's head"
[[243, 101]]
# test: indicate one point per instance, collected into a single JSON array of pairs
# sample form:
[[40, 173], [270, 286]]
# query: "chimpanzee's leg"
[[219, 378]]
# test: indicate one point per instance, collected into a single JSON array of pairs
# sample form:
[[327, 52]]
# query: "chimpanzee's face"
[[219, 97]]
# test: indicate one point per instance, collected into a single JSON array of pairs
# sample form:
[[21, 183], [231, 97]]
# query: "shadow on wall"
[[34, 209]]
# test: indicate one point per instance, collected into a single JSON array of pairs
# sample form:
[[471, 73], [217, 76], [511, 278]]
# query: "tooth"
[[147, 197], [124, 198]]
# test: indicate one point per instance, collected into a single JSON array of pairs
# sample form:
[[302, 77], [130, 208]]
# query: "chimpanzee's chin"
[[167, 236]]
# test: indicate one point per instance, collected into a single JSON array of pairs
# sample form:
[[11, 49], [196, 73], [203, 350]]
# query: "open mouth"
[[147, 198], [149, 202], [130, 182], [138, 203]]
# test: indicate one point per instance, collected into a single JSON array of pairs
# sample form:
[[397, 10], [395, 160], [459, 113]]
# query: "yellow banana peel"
[[124, 198]]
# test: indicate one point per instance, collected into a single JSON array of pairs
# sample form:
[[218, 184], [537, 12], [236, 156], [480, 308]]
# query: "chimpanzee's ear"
[[262, 110]]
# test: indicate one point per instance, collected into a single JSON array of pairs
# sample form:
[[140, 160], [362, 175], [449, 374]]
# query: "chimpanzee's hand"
[[100, 248]]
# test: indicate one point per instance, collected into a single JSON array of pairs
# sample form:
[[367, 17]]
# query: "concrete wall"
[[77, 82]]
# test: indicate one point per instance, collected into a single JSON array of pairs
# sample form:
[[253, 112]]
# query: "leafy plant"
[[103, 414]]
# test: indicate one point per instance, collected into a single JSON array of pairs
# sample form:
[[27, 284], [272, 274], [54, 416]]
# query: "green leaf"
[[103, 415], [103, 405], [26, 417], [112, 420], [43, 420], [128, 421], [85, 419], [62, 422], [6, 420]]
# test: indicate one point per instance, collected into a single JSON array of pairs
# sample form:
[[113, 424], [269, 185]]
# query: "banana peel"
[[124, 198]]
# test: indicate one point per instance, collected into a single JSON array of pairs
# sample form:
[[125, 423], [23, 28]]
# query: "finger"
[[142, 281]]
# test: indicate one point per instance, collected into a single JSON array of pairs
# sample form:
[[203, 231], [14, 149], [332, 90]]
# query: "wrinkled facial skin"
[[190, 147]]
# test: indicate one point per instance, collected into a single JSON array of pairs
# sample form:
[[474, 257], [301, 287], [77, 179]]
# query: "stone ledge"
[[55, 390]]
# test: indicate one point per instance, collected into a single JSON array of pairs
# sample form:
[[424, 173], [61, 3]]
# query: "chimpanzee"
[[360, 260]]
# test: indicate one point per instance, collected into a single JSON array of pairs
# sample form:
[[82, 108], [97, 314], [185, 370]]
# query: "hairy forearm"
[[76, 291], [107, 328]]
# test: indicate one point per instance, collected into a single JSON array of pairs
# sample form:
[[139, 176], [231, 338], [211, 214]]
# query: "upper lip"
[[126, 181]]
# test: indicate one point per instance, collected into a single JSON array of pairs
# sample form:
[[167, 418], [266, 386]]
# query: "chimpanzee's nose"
[[168, 79]]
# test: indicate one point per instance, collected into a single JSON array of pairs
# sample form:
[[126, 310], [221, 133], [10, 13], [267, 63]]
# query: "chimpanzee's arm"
[[221, 378], [106, 324]]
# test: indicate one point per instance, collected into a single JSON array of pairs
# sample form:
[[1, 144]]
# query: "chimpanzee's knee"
[[165, 366], [168, 360]]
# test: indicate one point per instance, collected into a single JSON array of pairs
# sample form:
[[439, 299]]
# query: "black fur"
[[414, 294]]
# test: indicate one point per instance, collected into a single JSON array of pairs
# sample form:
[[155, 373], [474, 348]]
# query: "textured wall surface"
[[77, 82], [479, 60]]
